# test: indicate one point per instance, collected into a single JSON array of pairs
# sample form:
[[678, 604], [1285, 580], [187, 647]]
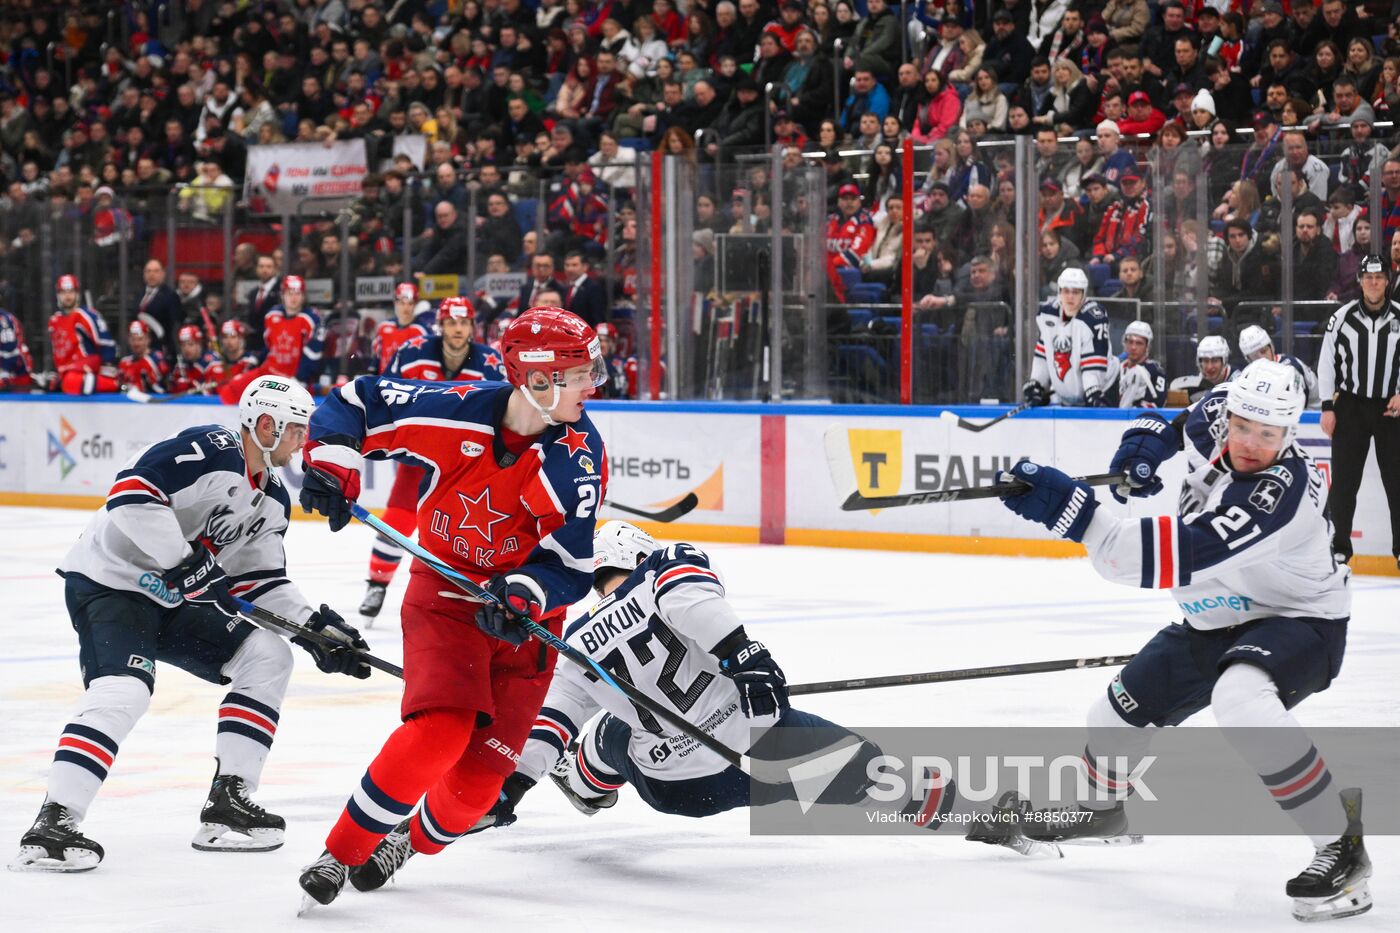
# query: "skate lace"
[[238, 792], [1324, 861], [329, 867], [389, 857], [67, 821]]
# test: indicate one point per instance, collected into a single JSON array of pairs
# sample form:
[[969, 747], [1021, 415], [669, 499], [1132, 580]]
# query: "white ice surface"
[[826, 614]]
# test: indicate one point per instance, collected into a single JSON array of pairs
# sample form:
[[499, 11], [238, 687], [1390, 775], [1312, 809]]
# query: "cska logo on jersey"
[[478, 515], [574, 441]]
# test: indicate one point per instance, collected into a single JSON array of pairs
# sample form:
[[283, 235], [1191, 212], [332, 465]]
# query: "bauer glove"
[[762, 687], [202, 582]]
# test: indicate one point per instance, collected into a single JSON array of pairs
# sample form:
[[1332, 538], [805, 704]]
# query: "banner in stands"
[[759, 472], [279, 177]]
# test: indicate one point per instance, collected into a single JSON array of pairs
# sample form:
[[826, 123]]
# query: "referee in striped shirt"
[[1358, 377]]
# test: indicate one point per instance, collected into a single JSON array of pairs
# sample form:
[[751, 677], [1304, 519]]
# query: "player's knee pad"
[[1246, 696], [261, 667], [118, 700], [1104, 713]]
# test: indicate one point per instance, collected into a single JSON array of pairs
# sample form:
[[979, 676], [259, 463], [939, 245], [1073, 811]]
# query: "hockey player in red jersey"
[[16, 368], [453, 357], [616, 386], [143, 368], [850, 232], [234, 358], [190, 374], [515, 474], [407, 324], [84, 354], [294, 337]]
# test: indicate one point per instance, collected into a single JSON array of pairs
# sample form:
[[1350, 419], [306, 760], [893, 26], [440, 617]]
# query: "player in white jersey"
[[1255, 344], [1141, 382], [1212, 369], [1072, 364], [190, 523], [1248, 559]]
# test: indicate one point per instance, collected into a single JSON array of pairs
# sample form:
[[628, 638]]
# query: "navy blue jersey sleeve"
[[565, 496], [376, 411], [311, 363]]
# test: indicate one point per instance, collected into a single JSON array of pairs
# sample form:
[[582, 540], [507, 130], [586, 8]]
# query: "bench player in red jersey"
[[143, 368], [516, 472], [294, 337], [191, 372], [234, 358], [406, 324], [452, 357], [84, 354]]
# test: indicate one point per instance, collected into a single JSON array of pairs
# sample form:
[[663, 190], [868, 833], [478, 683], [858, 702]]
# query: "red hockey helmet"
[[458, 306], [551, 341], [139, 329], [67, 283], [406, 291], [606, 330], [294, 283], [190, 332], [233, 328]]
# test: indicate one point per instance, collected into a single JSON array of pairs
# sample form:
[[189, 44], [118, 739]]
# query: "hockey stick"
[[973, 426], [669, 514], [146, 398], [775, 772], [966, 673], [288, 627]]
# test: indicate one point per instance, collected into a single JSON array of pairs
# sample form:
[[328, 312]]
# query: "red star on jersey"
[[575, 441], [479, 515], [461, 389], [493, 360]]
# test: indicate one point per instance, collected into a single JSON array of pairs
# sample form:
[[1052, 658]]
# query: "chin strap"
[[544, 412]]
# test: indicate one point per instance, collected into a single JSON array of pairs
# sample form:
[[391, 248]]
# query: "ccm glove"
[[200, 580], [1054, 500], [1149, 441], [341, 657], [332, 481], [1034, 394], [518, 601], [762, 687]]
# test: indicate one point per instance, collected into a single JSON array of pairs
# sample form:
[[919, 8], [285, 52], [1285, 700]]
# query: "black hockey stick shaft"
[[966, 673], [974, 426], [286, 626], [857, 502], [669, 514]]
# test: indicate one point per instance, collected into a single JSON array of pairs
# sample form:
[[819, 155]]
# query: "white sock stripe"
[[373, 810], [435, 832]]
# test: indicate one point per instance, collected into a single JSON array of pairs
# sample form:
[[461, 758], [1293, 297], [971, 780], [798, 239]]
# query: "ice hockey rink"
[[825, 614]]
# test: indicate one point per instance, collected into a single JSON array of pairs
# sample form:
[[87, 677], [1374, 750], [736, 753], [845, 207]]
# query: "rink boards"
[[760, 471]]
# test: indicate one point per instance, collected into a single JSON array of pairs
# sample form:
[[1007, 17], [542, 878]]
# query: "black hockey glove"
[[1093, 398], [762, 686], [1149, 441], [201, 581], [503, 813], [1034, 394], [332, 481], [344, 658], [518, 602]]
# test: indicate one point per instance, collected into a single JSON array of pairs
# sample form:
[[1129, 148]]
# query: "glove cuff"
[[1078, 512], [530, 584]]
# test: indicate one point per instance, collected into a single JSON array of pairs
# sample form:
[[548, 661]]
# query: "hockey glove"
[[762, 687], [1054, 500], [503, 813], [518, 600], [332, 481], [344, 657], [1093, 398], [201, 581], [1149, 441], [1034, 394]]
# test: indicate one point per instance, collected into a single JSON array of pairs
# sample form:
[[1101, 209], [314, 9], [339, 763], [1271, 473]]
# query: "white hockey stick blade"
[[839, 462], [136, 395]]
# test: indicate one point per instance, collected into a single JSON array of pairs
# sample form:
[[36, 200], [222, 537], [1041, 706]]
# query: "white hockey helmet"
[[1269, 392], [1253, 339], [1212, 348], [1139, 329], [284, 399], [1073, 277], [620, 545]]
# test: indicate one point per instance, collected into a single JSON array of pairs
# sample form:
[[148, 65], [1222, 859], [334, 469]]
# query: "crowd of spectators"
[[114, 112]]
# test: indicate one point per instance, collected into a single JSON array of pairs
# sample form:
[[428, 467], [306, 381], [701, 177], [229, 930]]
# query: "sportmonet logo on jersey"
[[1266, 495]]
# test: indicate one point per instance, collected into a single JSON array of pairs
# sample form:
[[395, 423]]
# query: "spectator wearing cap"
[[850, 232], [1066, 42], [941, 213], [1126, 229], [1063, 215], [946, 55], [1257, 163], [1358, 159], [1126, 20], [1314, 264], [1117, 161], [1158, 46], [1297, 158], [1142, 116], [1008, 52], [740, 122]]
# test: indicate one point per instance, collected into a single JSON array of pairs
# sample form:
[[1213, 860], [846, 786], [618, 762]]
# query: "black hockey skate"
[[389, 856], [230, 822], [1334, 884], [374, 600], [322, 880], [1004, 825], [53, 843], [588, 806], [1082, 826]]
